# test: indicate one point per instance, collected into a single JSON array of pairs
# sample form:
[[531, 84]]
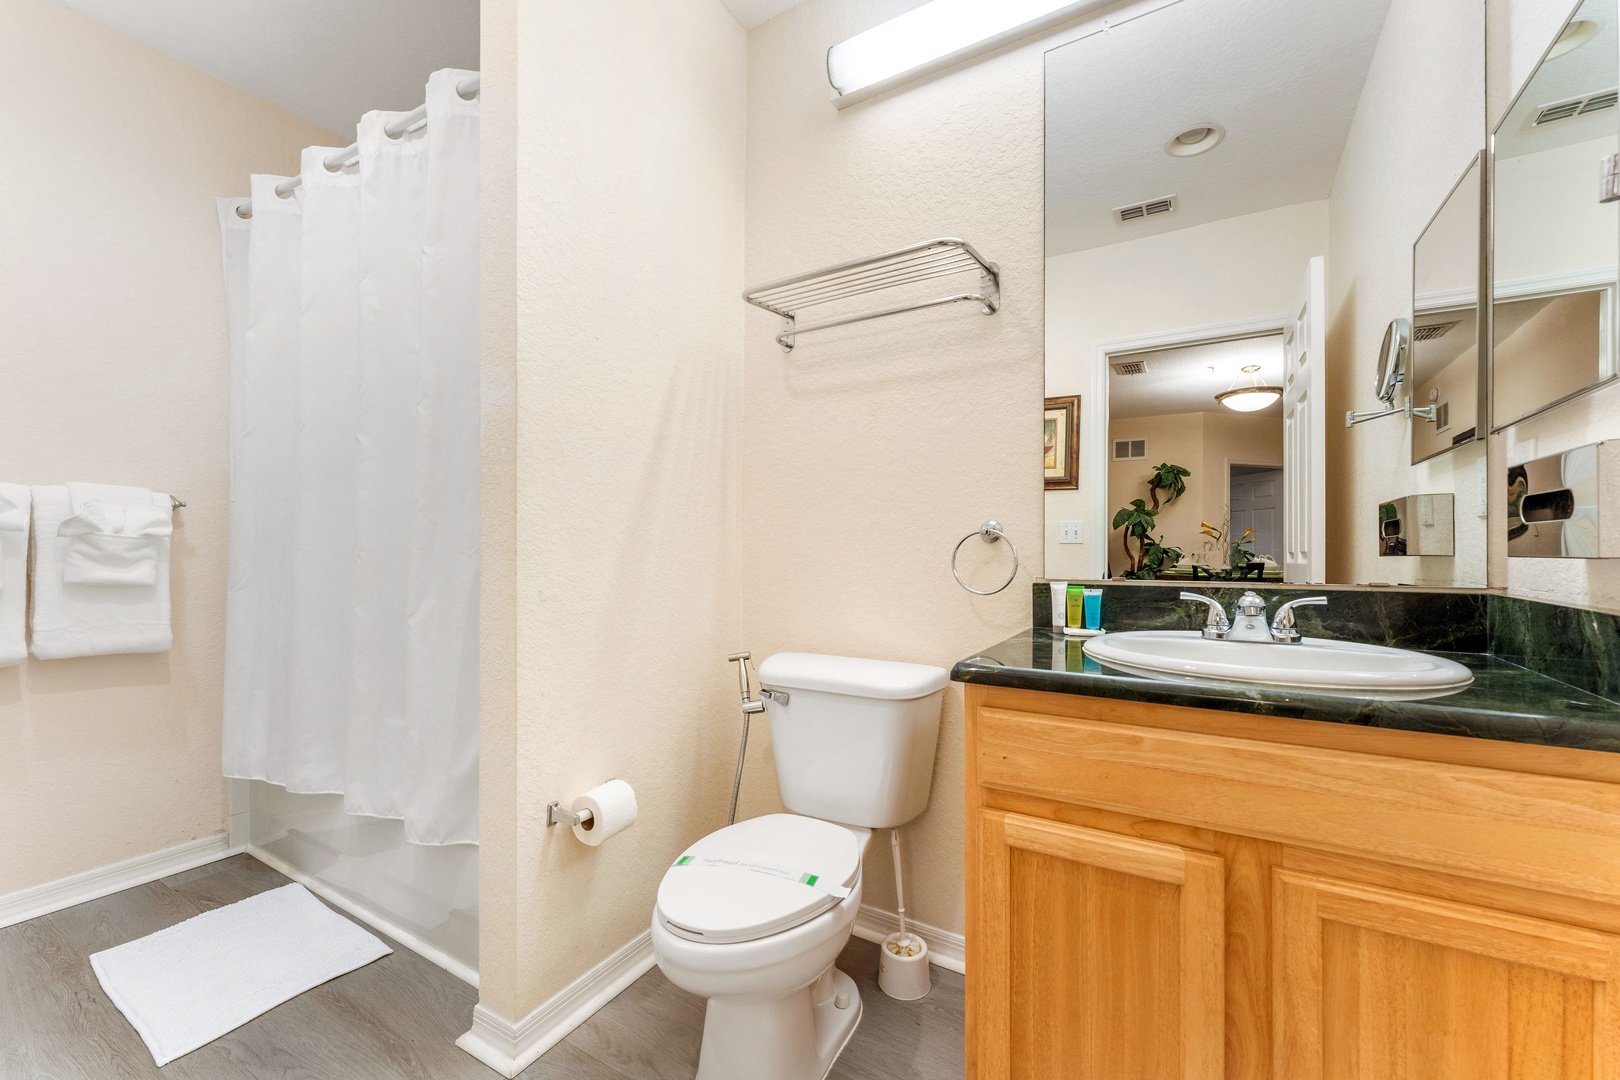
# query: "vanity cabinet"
[[1165, 892]]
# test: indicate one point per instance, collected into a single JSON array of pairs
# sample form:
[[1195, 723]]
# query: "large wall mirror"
[[1194, 186], [1556, 241]]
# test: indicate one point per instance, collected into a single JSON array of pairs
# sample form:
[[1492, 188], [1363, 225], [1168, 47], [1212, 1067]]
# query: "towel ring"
[[989, 532]]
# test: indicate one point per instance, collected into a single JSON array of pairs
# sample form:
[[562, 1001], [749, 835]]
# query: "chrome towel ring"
[[989, 532]]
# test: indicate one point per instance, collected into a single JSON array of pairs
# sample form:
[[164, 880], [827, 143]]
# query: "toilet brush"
[[903, 957]]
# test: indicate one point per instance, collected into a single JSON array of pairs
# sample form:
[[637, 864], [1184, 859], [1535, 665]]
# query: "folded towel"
[[117, 544], [15, 509], [78, 618]]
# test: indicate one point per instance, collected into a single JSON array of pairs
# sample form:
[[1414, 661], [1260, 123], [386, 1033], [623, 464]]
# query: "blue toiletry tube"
[[1093, 609]]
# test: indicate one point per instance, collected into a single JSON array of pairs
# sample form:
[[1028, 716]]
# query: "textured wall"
[[112, 320], [613, 373], [1418, 125], [869, 451]]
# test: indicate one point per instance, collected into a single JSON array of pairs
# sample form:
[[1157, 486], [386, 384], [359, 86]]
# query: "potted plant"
[[1235, 554], [1151, 557]]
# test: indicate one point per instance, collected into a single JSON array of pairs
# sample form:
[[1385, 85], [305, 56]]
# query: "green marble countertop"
[[1506, 702]]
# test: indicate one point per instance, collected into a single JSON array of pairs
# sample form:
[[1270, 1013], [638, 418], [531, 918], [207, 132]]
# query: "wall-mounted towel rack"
[[946, 255]]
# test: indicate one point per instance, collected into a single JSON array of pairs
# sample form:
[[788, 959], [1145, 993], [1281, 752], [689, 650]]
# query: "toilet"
[[752, 917]]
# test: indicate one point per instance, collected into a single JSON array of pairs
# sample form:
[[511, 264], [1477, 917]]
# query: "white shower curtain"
[[351, 659]]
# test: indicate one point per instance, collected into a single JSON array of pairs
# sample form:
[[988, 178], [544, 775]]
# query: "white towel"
[[113, 544], [186, 986], [15, 510], [72, 619]]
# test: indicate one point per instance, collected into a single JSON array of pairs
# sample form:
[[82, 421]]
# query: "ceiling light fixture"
[[1575, 35], [1195, 140], [933, 36], [1248, 393]]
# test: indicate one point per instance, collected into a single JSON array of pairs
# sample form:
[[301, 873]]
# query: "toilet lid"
[[702, 901]]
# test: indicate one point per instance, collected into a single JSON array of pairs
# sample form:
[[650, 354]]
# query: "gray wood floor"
[[396, 1018]]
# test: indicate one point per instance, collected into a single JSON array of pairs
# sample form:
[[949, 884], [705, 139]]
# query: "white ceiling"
[[753, 12], [325, 60], [1283, 77], [1186, 380]]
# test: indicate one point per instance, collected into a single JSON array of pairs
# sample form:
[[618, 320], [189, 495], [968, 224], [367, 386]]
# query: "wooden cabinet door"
[[1375, 984], [1094, 956]]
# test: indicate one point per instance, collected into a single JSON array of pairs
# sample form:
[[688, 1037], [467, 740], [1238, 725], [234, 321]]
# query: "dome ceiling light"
[[1248, 393]]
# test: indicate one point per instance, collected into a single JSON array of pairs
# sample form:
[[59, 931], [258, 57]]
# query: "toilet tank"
[[855, 740]]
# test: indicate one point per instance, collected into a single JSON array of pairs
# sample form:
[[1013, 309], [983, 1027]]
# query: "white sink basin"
[[1315, 664]]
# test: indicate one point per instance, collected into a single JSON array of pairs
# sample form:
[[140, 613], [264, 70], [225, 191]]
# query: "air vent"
[[1563, 110], [1141, 210], [1429, 333], [1130, 367], [1130, 449], [1442, 416]]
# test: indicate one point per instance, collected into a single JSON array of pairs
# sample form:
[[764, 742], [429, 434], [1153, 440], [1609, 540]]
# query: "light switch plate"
[[1071, 532]]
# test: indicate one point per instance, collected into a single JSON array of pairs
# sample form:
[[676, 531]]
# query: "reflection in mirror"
[[1191, 161], [1556, 242], [1445, 331]]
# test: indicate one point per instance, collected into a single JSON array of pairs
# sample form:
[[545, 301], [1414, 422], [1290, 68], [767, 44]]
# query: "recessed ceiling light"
[[1248, 393], [1195, 140], [1575, 35]]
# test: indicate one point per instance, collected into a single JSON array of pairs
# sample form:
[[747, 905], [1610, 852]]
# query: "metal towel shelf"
[[892, 269]]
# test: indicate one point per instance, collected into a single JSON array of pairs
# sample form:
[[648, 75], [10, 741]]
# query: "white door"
[[1305, 432], [1256, 503]]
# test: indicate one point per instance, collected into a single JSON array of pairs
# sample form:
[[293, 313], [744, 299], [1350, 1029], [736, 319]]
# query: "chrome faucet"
[[1248, 622], [1283, 629]]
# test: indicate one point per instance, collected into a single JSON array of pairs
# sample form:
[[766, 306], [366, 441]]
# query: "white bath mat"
[[185, 986]]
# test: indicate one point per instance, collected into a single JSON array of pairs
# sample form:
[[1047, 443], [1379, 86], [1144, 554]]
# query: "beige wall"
[[1417, 126], [869, 451], [1235, 270], [613, 380], [112, 332], [1207, 443]]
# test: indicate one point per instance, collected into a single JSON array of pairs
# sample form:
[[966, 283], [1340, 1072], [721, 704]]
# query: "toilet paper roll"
[[613, 810]]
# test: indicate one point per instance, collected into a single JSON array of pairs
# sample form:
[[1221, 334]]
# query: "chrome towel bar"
[[941, 257]]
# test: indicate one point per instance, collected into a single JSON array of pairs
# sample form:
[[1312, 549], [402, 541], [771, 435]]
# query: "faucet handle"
[[1216, 625], [1283, 626]]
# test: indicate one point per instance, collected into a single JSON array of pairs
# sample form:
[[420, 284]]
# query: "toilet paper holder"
[[556, 815]]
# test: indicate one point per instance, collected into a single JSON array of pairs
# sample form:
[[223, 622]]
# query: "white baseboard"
[[37, 900], [366, 915], [509, 1047], [946, 949]]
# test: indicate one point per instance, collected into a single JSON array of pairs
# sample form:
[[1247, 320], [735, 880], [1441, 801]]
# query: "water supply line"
[[750, 706]]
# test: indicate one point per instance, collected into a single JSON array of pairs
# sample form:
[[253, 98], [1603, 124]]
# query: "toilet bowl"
[[733, 926], [753, 916]]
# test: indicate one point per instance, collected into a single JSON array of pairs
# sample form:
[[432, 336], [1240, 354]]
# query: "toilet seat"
[[728, 904]]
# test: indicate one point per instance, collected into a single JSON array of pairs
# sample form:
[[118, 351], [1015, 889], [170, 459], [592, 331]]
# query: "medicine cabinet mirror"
[[1194, 164], [1556, 240], [1445, 371]]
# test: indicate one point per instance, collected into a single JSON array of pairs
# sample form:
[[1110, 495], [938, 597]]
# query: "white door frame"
[[1094, 408]]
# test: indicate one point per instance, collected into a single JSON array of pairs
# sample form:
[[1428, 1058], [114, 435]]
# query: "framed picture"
[[1062, 443]]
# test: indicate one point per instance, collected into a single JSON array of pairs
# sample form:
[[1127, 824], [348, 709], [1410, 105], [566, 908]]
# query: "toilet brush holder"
[[904, 978]]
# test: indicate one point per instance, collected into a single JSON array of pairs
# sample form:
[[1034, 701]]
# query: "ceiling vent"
[[1140, 211], [1429, 333], [1130, 367], [1563, 110]]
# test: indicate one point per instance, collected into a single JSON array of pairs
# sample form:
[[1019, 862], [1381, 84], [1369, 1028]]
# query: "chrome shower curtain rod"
[[467, 88]]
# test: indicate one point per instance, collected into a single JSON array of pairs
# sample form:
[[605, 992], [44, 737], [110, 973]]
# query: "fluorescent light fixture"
[[933, 36]]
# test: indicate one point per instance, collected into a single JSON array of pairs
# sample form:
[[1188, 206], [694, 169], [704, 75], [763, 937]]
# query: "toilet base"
[[796, 1037]]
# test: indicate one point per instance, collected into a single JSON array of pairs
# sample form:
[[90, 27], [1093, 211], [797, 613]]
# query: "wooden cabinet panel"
[[1094, 955], [1376, 984]]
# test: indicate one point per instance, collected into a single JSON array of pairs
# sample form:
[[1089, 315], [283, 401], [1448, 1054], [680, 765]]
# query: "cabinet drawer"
[[1547, 832]]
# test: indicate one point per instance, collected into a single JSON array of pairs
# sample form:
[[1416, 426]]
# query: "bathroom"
[[657, 483]]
